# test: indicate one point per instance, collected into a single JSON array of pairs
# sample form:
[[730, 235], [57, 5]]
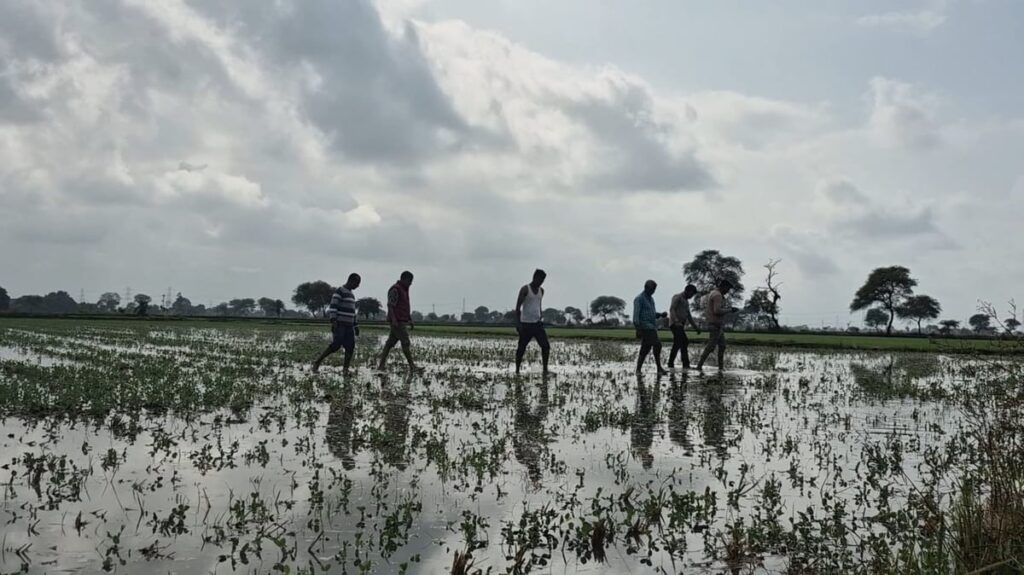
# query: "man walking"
[[342, 313], [678, 316], [645, 320], [714, 316], [400, 320], [529, 321]]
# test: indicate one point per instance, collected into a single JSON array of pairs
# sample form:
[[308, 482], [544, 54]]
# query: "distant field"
[[788, 339]]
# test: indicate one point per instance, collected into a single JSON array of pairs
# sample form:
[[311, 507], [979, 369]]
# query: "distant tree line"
[[888, 294]]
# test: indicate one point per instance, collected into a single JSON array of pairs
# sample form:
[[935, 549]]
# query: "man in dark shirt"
[[342, 313], [400, 320]]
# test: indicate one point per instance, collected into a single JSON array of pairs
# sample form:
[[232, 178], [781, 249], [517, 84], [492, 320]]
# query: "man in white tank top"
[[529, 320]]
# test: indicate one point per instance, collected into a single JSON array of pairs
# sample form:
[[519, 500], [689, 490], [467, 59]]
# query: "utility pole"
[[127, 295], [81, 295]]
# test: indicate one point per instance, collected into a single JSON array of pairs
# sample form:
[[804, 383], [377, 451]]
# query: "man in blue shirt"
[[645, 320]]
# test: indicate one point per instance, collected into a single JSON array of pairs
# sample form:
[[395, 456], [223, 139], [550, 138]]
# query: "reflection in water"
[[340, 421], [641, 434], [678, 414], [716, 416], [396, 421], [529, 442]]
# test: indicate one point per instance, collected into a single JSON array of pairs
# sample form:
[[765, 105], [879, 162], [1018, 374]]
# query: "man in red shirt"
[[400, 320]]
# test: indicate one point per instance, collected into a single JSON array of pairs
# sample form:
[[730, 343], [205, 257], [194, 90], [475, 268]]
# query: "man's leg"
[[657, 353], [721, 351], [713, 335], [684, 347], [390, 343], [332, 347], [407, 347], [545, 346], [675, 346], [348, 341], [645, 348], [524, 340]]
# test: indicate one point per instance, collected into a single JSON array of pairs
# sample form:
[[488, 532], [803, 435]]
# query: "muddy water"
[[397, 472]]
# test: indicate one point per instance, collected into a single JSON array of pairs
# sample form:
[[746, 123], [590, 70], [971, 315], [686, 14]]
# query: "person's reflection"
[[340, 420], [397, 411], [529, 442], [641, 434], [678, 414], [715, 415]]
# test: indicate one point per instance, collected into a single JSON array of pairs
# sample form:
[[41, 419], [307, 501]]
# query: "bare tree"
[[773, 286]]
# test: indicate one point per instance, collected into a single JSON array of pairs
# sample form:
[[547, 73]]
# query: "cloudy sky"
[[232, 148]]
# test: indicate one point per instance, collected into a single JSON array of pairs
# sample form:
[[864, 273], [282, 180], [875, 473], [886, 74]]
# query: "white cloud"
[[903, 115], [920, 22]]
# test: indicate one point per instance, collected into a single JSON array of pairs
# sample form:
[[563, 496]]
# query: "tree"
[[416, 316], [142, 304], [876, 318], [606, 305], [28, 304], [887, 287], [5, 300], [481, 313], [314, 296], [242, 306], [467, 317], [432, 316], [948, 325], [709, 267], [369, 307], [574, 314], [758, 309], [59, 302], [773, 285], [109, 302], [553, 316], [222, 309], [981, 322], [278, 307], [267, 305], [1011, 324], [182, 305], [919, 308]]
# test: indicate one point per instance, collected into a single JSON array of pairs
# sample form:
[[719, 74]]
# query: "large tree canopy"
[[606, 305], [314, 296], [5, 300], [710, 267], [919, 308], [369, 307], [887, 287], [876, 318]]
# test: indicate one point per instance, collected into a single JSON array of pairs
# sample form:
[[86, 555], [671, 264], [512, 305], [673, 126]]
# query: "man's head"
[[650, 286], [725, 286], [689, 291], [406, 278], [538, 277], [353, 281]]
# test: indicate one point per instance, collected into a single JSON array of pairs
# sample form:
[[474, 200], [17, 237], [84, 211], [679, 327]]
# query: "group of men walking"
[[646, 317], [530, 324]]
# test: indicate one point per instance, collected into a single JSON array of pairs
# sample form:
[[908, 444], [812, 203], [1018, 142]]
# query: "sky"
[[230, 148]]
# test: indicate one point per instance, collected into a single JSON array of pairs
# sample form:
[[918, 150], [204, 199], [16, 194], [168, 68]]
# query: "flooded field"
[[150, 448]]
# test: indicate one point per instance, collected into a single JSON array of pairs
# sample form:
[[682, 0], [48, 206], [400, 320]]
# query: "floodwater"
[[194, 451]]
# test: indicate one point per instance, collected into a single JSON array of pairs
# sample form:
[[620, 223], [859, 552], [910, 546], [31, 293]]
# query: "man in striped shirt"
[[342, 313], [645, 320]]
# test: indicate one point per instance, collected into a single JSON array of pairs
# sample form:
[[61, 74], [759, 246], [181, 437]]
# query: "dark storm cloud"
[[372, 93]]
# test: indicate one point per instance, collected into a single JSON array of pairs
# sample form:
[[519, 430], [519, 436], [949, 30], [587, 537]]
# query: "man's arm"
[[637, 305], [392, 304], [519, 304]]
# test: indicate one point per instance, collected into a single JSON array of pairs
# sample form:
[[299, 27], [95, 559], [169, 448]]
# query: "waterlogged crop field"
[[162, 448]]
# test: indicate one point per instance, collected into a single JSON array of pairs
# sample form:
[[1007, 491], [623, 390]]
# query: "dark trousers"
[[680, 343], [529, 331]]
